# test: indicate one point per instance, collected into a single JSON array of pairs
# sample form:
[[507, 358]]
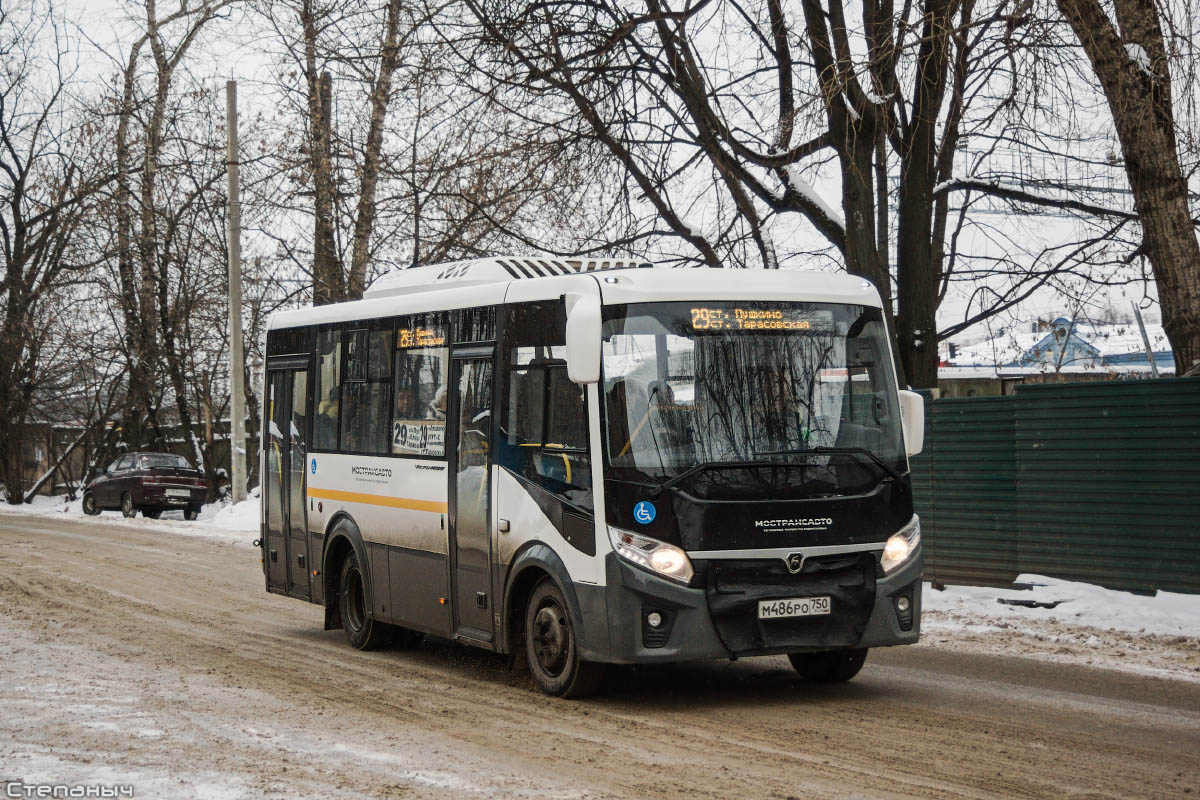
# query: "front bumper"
[[688, 631]]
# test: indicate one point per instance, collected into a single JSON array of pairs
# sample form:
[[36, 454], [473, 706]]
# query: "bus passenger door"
[[470, 493], [275, 553], [297, 520], [285, 441]]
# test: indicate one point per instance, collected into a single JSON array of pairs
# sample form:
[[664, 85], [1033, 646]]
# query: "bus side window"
[[422, 358], [366, 391], [544, 427], [328, 389]]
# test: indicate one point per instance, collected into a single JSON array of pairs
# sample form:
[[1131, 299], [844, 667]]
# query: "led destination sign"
[[734, 318], [419, 337]]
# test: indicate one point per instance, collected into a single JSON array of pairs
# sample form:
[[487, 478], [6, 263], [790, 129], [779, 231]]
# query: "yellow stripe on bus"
[[379, 500]]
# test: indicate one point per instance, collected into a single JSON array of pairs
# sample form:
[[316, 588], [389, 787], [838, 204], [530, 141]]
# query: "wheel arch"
[[533, 562], [342, 537]]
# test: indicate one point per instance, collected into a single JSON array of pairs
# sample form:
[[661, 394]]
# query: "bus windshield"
[[762, 383]]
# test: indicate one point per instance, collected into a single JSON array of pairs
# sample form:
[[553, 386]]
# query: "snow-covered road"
[[140, 656], [1047, 619]]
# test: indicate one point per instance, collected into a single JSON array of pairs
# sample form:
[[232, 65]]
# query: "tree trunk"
[[137, 405], [917, 263], [1138, 90], [328, 280], [381, 94]]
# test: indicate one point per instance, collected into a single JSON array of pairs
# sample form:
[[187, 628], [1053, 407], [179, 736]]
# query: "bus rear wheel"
[[551, 646], [836, 666], [362, 631]]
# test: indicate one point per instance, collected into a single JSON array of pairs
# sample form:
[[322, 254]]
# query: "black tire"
[[154, 513], [550, 646], [89, 505], [127, 506], [362, 631], [836, 666], [190, 513]]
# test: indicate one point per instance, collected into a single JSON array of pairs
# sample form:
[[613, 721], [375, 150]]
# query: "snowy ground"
[[1054, 620], [224, 521], [1069, 622]]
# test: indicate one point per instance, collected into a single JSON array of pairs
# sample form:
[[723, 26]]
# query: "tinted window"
[[544, 423], [289, 341], [327, 390], [366, 391], [476, 325]]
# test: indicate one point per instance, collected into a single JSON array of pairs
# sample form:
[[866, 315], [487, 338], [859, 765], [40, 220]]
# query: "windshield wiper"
[[839, 451], [655, 489]]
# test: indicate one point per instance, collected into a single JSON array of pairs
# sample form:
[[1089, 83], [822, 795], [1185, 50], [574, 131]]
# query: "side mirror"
[[912, 420], [583, 338]]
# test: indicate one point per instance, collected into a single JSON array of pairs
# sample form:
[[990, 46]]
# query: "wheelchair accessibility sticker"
[[314, 466], [644, 512]]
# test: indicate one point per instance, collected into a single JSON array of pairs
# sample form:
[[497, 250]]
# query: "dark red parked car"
[[148, 482]]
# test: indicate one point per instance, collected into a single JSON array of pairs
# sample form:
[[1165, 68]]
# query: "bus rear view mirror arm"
[[583, 338], [912, 418]]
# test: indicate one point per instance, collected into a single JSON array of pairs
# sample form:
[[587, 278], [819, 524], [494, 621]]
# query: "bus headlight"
[[665, 559], [901, 544]]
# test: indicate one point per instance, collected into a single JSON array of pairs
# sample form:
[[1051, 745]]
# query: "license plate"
[[794, 607], [184, 493]]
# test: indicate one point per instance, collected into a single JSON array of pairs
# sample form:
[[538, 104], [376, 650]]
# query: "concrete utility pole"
[[237, 389]]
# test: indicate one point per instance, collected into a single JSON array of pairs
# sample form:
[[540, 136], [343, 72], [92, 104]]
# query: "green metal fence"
[[1098, 482]]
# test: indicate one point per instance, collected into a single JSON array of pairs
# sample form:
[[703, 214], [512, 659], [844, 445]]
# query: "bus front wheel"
[[832, 667], [551, 646], [362, 631]]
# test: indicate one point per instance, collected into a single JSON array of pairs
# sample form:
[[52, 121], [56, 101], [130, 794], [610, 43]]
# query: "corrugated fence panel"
[[1098, 482], [972, 483], [1108, 482]]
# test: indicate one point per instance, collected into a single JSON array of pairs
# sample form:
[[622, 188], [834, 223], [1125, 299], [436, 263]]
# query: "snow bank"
[[1055, 600], [243, 516], [220, 520]]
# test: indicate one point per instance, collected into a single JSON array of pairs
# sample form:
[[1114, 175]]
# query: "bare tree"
[[48, 178], [404, 158], [878, 99]]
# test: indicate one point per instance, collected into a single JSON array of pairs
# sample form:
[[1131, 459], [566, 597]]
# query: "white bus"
[[594, 462]]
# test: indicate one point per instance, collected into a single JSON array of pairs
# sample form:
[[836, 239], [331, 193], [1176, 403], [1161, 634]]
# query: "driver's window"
[[123, 463], [544, 422]]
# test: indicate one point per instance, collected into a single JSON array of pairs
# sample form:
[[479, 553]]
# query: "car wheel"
[[89, 505], [551, 646], [151, 514], [191, 513], [362, 631], [832, 667], [127, 507]]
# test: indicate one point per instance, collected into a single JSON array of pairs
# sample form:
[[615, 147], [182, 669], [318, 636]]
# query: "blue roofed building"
[[1062, 346], [1042, 351]]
